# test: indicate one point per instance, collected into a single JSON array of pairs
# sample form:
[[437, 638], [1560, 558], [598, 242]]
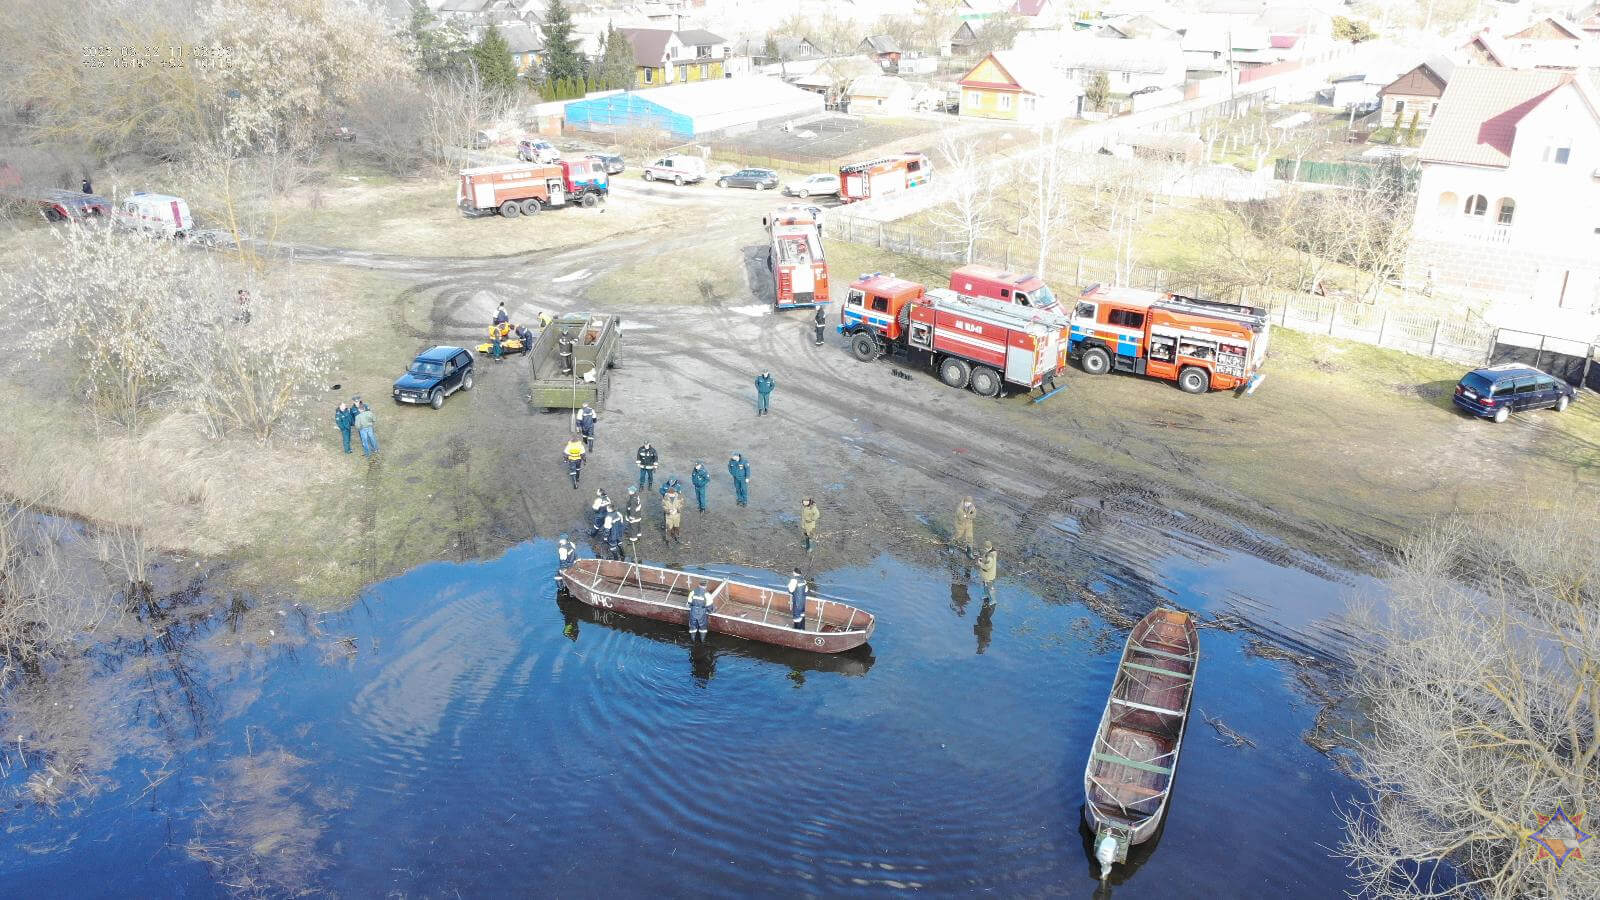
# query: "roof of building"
[[462, 6], [882, 43], [1140, 26], [838, 69], [722, 95], [699, 37], [649, 44], [1029, 73], [1478, 114], [878, 86], [1084, 50], [1029, 8], [522, 38], [1560, 22]]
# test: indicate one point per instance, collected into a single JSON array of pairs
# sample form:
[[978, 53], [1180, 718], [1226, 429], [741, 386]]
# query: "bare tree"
[[966, 218], [1481, 685], [456, 108], [1045, 206]]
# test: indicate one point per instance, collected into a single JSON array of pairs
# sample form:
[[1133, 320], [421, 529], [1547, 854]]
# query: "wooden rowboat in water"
[[742, 610], [1135, 757]]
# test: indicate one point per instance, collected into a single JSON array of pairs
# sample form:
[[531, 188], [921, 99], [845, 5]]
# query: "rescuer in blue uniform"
[[648, 459], [700, 477], [701, 606], [764, 386], [616, 532], [598, 510], [739, 468], [566, 555]]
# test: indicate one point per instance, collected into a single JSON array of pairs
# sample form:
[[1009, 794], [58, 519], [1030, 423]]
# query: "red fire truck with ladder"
[[883, 177], [794, 256], [970, 341], [1200, 344]]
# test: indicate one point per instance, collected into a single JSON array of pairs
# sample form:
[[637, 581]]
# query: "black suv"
[[435, 375], [1498, 391]]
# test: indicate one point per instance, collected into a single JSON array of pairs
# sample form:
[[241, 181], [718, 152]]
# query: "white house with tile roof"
[[1508, 203]]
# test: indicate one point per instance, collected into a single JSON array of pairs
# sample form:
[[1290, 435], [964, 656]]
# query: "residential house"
[[1039, 12], [1508, 203], [834, 76], [1551, 42], [1588, 21], [1130, 64], [1139, 26], [879, 95], [1208, 51], [1359, 90], [670, 57], [790, 49], [1017, 86], [884, 50], [1415, 95], [965, 40], [465, 12]]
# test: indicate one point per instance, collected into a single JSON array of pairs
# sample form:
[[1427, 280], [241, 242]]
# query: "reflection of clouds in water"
[[455, 655]]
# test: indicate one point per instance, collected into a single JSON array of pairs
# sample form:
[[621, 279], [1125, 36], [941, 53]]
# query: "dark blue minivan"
[[1498, 391]]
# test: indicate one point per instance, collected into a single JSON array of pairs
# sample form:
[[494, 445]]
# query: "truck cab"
[[586, 180], [876, 302], [1007, 287]]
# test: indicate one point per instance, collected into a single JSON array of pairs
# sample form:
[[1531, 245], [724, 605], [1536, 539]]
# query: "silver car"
[[819, 185]]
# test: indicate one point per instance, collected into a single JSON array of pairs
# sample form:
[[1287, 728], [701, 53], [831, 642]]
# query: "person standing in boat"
[[988, 566], [700, 477], [797, 599], [701, 606]]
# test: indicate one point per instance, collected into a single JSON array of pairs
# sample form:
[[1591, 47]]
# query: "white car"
[[676, 169], [162, 214], [813, 186], [537, 151]]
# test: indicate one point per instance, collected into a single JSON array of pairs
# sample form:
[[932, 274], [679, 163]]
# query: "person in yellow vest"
[[574, 452]]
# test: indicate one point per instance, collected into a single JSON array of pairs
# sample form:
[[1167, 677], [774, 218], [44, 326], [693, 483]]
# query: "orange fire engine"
[[883, 177], [1200, 344], [970, 341], [794, 255]]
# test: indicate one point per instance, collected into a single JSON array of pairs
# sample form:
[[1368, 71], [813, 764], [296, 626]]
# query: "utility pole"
[[1233, 75]]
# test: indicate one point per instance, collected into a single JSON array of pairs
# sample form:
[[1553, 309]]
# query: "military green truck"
[[596, 349]]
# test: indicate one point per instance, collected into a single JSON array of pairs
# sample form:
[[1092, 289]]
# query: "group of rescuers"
[[622, 528], [625, 527]]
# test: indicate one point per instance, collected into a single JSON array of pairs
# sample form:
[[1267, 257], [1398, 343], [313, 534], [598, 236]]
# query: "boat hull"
[[743, 610]]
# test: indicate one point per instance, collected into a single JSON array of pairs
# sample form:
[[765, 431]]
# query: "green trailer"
[[596, 349]]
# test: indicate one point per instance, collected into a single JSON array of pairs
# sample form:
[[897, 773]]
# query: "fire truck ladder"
[[864, 166]]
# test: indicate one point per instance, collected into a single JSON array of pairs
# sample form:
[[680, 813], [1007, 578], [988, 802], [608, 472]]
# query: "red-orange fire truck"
[[970, 341], [1200, 344], [794, 255], [522, 189], [883, 177]]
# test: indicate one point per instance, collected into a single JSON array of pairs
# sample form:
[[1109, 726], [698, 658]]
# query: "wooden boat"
[[742, 610], [1135, 757]]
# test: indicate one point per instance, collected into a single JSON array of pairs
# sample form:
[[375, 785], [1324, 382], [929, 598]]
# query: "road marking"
[[572, 276]]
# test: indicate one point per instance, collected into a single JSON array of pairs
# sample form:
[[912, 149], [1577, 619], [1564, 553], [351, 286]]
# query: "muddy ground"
[[1327, 462]]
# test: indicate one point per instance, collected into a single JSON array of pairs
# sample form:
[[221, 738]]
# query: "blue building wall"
[[626, 110]]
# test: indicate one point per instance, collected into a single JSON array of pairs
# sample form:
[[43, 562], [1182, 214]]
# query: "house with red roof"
[[1018, 87], [1508, 202], [1037, 11]]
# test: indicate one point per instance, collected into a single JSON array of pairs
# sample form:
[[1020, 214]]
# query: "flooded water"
[[462, 732]]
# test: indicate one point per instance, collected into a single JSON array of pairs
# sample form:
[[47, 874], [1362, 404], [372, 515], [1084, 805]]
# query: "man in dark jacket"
[[597, 512], [345, 418], [700, 477], [820, 322], [739, 468], [586, 420], [566, 555], [87, 187], [764, 386], [564, 345], [500, 315], [797, 599], [616, 533], [701, 606], [648, 459]]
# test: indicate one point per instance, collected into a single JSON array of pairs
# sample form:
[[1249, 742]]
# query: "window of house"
[[1005, 101], [1558, 151], [1447, 203], [1028, 103], [1508, 209], [974, 98], [1126, 318], [1476, 205], [1127, 77], [1433, 109], [705, 71], [683, 73], [1399, 109], [649, 75]]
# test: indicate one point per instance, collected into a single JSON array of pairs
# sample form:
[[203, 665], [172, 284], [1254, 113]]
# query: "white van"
[[676, 169], [163, 214]]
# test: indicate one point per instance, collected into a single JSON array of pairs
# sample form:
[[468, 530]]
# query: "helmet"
[[563, 535], [633, 489], [987, 546]]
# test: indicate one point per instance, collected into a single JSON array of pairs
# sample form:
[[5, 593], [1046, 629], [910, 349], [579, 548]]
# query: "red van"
[[1007, 287]]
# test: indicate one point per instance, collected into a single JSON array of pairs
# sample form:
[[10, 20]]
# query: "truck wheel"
[[864, 346], [510, 209], [677, 180], [649, 175], [1096, 361], [466, 382], [529, 206], [436, 399], [954, 372], [590, 201], [985, 382], [1194, 380]]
